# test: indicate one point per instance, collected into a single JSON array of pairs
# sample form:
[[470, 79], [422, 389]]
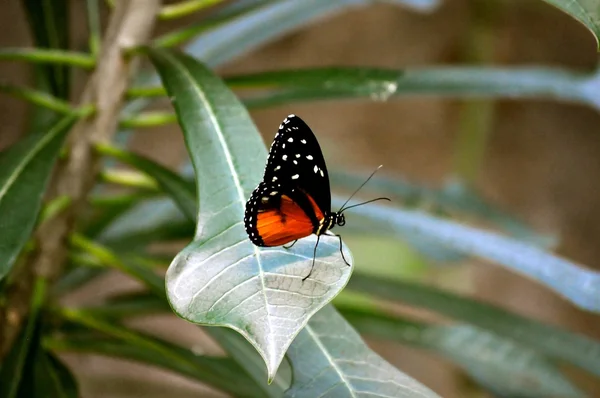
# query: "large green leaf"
[[24, 172], [579, 285], [549, 340], [329, 359], [221, 278], [500, 365], [585, 11]]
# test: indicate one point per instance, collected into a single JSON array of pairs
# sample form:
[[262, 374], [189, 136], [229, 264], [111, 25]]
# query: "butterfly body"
[[293, 200]]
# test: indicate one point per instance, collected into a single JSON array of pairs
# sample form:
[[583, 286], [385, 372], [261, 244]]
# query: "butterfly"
[[293, 200]]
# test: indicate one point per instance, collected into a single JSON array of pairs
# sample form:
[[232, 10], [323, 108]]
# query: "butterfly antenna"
[[359, 188], [368, 201]]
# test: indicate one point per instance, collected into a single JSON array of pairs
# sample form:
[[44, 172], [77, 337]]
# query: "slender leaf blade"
[[24, 172], [52, 378], [577, 284], [549, 340], [180, 190], [329, 359], [221, 278], [502, 366]]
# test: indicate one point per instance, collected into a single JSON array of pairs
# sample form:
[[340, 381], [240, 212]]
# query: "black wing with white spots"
[[296, 161], [294, 195]]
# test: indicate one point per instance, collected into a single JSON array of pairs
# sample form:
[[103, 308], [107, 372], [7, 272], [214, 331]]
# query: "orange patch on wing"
[[277, 227]]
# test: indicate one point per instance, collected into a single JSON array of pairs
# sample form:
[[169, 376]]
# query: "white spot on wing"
[[303, 141], [290, 139], [309, 157], [316, 168], [284, 157], [295, 176], [322, 175]]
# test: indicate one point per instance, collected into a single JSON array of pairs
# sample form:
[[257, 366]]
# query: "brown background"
[[542, 163]]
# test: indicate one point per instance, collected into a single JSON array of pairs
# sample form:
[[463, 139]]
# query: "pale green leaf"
[[329, 359], [221, 278]]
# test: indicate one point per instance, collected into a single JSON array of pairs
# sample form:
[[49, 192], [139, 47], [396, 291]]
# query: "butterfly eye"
[[341, 220]]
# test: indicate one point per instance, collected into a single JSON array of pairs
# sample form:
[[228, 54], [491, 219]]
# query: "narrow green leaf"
[[546, 339], [51, 378], [95, 31], [147, 119], [39, 98], [11, 370], [128, 266], [184, 8], [41, 56], [130, 344], [180, 190], [500, 365], [265, 23], [579, 285], [221, 278], [585, 11], [453, 197], [24, 172], [381, 84], [49, 23], [330, 359]]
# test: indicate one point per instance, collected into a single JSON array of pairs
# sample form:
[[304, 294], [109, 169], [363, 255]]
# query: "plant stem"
[[130, 25], [476, 117], [148, 119], [93, 17], [128, 178], [44, 56], [40, 98], [185, 8]]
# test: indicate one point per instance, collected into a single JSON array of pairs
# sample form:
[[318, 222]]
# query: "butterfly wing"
[[294, 196], [296, 160], [275, 217]]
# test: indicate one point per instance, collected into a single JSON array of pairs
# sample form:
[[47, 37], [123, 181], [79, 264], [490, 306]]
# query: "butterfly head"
[[339, 219]]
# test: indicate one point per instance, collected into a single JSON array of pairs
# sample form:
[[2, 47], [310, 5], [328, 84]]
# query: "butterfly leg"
[[313, 262], [290, 246], [341, 251]]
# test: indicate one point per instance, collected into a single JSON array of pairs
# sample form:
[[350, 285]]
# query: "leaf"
[[585, 11], [266, 23], [221, 278], [549, 340], [131, 344], [179, 189], [48, 21], [24, 172], [579, 285], [15, 363], [329, 359], [500, 365], [310, 84], [52, 379], [452, 197]]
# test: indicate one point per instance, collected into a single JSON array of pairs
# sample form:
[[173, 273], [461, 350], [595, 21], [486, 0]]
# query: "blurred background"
[[537, 160]]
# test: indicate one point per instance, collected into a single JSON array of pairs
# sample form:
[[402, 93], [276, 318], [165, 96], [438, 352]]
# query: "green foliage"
[[281, 335], [24, 172]]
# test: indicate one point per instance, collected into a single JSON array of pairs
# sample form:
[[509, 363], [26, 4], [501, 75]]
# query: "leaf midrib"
[[330, 359], [27, 158], [239, 189]]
